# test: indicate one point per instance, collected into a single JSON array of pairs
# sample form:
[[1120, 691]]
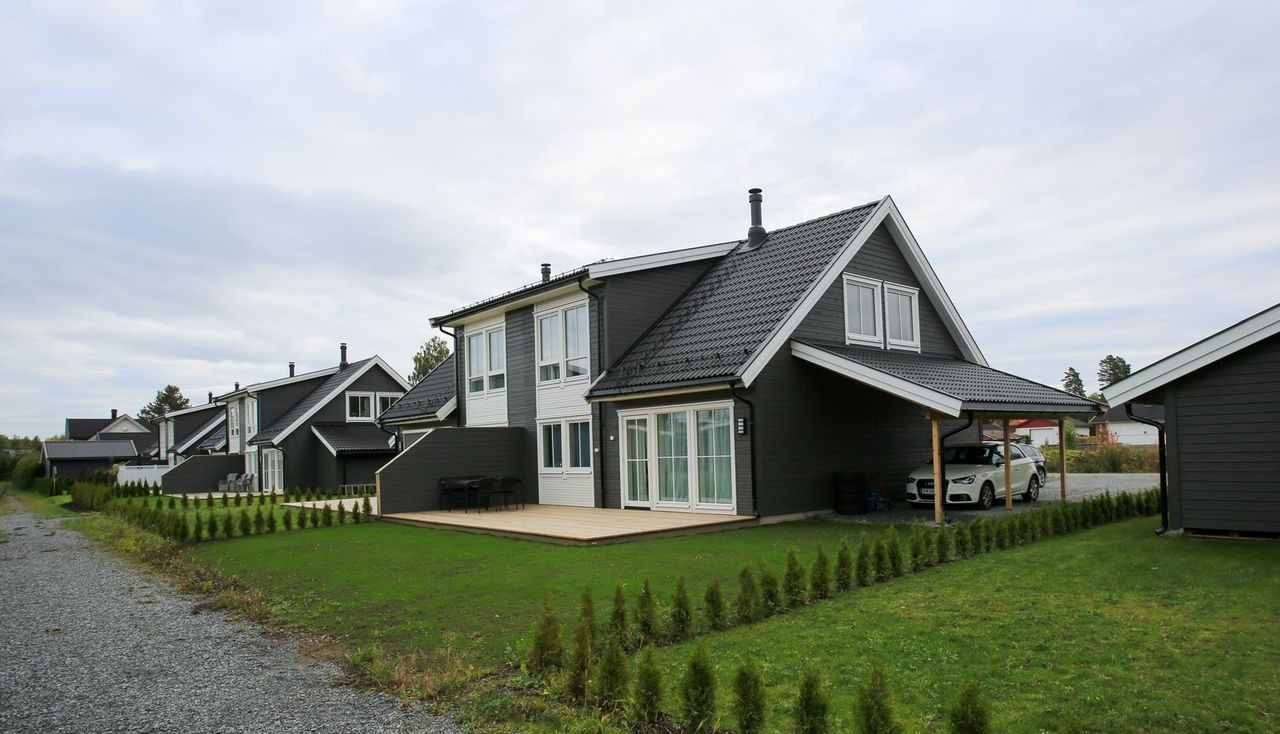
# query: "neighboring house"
[[428, 405], [183, 432], [735, 378], [1221, 399], [75, 459], [1120, 428], [316, 429], [1043, 431]]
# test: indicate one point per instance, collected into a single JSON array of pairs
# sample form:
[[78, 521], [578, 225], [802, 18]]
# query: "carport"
[[950, 389]]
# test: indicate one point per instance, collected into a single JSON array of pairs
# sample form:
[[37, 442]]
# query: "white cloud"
[[198, 193]]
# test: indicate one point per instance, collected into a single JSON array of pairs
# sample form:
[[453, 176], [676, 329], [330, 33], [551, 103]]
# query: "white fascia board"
[[373, 361], [1202, 353], [315, 430], [660, 259], [501, 307], [114, 426], [193, 409], [200, 435], [885, 212], [404, 451], [447, 408], [267, 385], [939, 402]]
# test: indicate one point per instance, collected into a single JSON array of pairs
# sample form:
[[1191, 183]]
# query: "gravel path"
[[90, 644]]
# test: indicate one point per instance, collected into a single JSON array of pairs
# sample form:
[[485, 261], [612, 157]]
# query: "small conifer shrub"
[[969, 714], [844, 567], [198, 528], [942, 545], [820, 576], [547, 653], [611, 678], [713, 606], [793, 585], [646, 696], [259, 521], [648, 625], [873, 713], [919, 559], [964, 541], [698, 693], [228, 526], [770, 592], [895, 552], [811, 707], [748, 601], [213, 526], [587, 621], [342, 513], [862, 567], [881, 561], [288, 519], [619, 624], [749, 699], [326, 515], [272, 524], [579, 673], [246, 525]]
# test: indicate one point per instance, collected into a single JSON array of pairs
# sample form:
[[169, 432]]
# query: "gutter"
[[598, 439], [942, 446], [751, 438], [1164, 483]]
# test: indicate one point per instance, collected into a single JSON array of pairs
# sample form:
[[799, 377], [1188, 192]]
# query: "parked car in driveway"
[[973, 473], [1033, 453]]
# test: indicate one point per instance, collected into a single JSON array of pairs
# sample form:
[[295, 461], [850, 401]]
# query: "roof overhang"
[[443, 412], [373, 361], [191, 410], [558, 286], [258, 387], [660, 259], [657, 391], [1204, 352], [198, 436], [391, 444]]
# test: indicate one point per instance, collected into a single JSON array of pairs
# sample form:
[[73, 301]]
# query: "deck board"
[[576, 525]]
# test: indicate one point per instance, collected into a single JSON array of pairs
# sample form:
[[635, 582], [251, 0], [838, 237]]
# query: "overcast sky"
[[199, 193]]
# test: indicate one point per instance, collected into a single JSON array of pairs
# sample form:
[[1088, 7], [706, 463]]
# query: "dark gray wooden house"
[[428, 405], [736, 378], [1221, 399], [97, 444]]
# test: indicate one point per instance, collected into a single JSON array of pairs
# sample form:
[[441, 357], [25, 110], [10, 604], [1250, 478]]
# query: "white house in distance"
[[1042, 431], [1127, 432]]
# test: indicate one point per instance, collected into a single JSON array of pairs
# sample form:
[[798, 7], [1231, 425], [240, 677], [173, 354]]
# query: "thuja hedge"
[[760, 594]]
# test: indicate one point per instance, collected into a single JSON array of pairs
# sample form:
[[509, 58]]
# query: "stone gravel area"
[[89, 643]]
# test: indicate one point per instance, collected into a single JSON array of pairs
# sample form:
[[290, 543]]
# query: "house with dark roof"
[[96, 444], [738, 378], [1220, 429], [428, 405], [1132, 428], [183, 432], [316, 429]]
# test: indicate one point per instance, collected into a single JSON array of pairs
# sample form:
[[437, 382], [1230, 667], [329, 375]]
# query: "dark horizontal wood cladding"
[[200, 474], [1224, 442], [634, 301], [411, 483], [522, 401], [880, 259], [812, 423], [612, 477]]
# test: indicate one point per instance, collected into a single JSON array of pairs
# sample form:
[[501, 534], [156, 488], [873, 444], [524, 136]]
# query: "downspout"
[[942, 445], [1164, 484], [597, 408], [461, 396], [751, 440]]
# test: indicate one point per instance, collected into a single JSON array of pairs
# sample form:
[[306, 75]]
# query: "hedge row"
[[591, 673]]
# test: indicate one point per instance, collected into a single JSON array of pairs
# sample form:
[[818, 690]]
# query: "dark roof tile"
[[355, 438], [427, 397], [321, 393]]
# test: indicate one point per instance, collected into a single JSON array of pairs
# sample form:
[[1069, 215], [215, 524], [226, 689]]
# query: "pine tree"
[[259, 521], [770, 592], [619, 625], [355, 514], [327, 515], [611, 678], [874, 711], [881, 560], [793, 581], [748, 601], [185, 502], [1072, 383], [681, 611], [895, 552], [713, 605], [315, 517], [587, 620], [288, 519], [237, 500], [225, 500], [367, 507], [271, 521], [862, 568], [969, 715], [698, 693], [246, 525], [748, 699], [820, 576], [209, 499], [646, 697], [198, 528], [811, 709], [647, 622], [919, 560], [342, 513], [213, 526], [579, 664], [227, 526], [547, 653]]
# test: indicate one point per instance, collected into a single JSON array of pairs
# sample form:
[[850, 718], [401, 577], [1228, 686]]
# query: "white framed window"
[[862, 310], [250, 417], [386, 400], [564, 343], [272, 470], [487, 360], [902, 316], [360, 406], [565, 446], [233, 422], [679, 457], [549, 347]]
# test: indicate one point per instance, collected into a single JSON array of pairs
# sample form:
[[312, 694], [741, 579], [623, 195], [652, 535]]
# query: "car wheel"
[[1040, 471], [1033, 489], [986, 496]]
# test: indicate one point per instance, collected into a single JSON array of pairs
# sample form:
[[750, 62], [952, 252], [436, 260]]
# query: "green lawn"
[[1111, 629], [420, 590], [38, 502]]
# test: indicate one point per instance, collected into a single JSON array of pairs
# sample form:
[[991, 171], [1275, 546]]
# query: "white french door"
[[679, 458]]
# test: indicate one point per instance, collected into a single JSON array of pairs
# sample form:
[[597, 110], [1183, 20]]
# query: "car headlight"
[[963, 480]]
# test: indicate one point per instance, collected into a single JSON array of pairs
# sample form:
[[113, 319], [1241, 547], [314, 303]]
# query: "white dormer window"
[[386, 400], [902, 316], [564, 344], [359, 406], [862, 311], [233, 418]]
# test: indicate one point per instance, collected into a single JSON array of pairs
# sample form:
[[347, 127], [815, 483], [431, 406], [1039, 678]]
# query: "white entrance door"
[[636, 471]]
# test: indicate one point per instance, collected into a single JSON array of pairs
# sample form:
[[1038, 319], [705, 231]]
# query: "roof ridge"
[[826, 216]]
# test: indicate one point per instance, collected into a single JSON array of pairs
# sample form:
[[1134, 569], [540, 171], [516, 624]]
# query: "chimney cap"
[[756, 233], [546, 272]]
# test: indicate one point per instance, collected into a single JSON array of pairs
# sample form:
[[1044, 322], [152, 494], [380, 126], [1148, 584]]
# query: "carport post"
[[937, 469], [1008, 467], [1062, 459]]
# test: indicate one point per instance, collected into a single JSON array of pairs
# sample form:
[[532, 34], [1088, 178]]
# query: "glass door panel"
[[673, 457], [715, 462], [637, 463]]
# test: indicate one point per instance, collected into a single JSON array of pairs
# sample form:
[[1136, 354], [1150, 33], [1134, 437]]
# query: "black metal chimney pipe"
[[755, 233], [546, 272], [210, 396], [342, 350], [237, 387], [291, 368], [114, 413]]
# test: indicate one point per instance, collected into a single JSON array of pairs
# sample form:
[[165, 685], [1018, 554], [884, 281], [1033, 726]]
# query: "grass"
[[37, 503], [1110, 629], [424, 591]]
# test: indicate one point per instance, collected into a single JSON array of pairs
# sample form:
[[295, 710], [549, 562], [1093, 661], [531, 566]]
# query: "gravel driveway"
[[90, 644]]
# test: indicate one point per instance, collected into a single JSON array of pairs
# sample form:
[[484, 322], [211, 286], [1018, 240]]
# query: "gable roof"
[[433, 398], [191, 409], [295, 416], [346, 439], [126, 424], [268, 384], [90, 450], [216, 440], [1204, 352], [731, 322], [140, 440], [83, 429], [197, 437], [942, 384]]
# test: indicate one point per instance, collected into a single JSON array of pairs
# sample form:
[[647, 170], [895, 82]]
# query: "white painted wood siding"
[[488, 408]]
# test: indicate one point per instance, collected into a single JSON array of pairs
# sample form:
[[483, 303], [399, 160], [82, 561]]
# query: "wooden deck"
[[575, 525]]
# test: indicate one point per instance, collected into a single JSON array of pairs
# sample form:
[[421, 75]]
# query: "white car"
[[973, 473]]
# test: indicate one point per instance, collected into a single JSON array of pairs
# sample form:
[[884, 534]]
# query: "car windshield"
[[970, 455]]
